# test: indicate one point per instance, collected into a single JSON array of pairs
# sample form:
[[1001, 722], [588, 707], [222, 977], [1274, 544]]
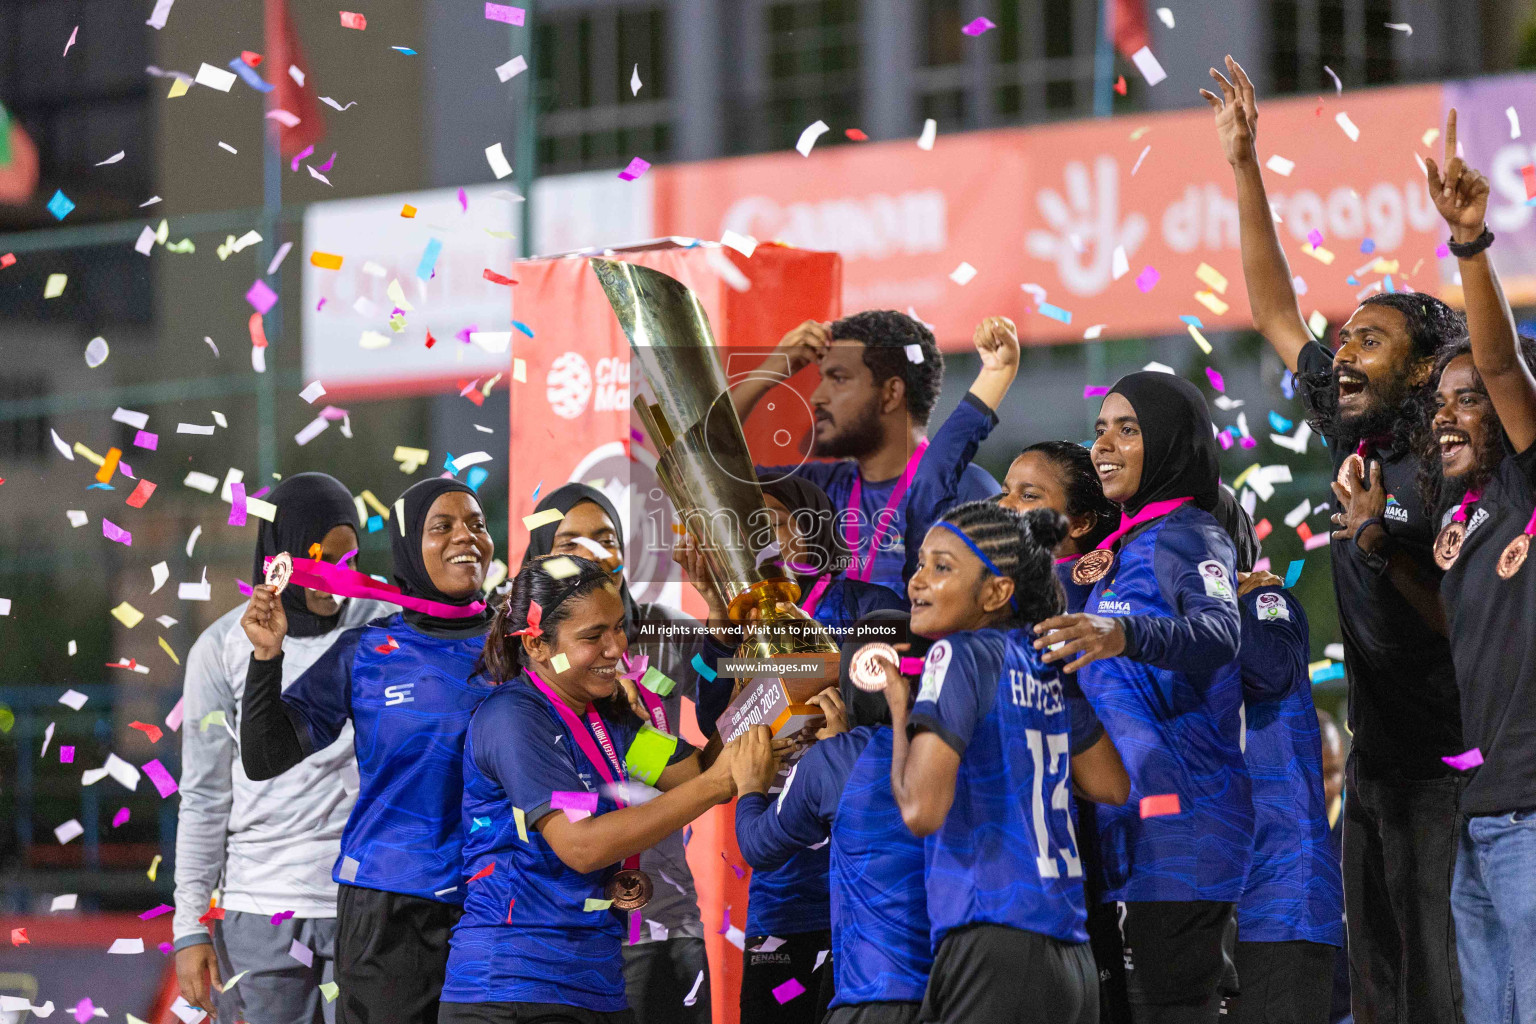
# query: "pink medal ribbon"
[[333, 579], [607, 762], [861, 570], [653, 705], [1095, 565], [1470, 498], [1069, 558], [1129, 523], [1448, 541], [814, 597]]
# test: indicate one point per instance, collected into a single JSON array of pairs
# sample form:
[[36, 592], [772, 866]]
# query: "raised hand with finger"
[[1237, 115], [1460, 193]]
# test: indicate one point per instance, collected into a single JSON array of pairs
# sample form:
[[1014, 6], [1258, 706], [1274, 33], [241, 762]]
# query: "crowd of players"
[[1106, 799]]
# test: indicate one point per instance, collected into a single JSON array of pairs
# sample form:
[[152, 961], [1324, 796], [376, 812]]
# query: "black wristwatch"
[[1466, 250], [1375, 561]]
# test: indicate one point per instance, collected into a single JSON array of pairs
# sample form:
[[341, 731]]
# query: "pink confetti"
[[1095, 390], [149, 915], [634, 928], [112, 531], [1147, 279], [66, 755], [84, 1010], [1214, 376], [725, 922], [261, 297], [280, 917], [144, 439], [1224, 441], [1315, 237], [739, 873], [911, 666], [575, 805], [1442, 250], [974, 28], [1462, 762], [237, 506], [160, 777], [120, 818], [326, 167], [351, 20], [504, 13], [636, 168], [166, 948], [463, 199], [1248, 442], [791, 989], [306, 151]]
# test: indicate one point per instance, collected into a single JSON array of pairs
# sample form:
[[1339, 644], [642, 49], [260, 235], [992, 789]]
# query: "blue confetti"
[[537, 487], [101, 487], [375, 524], [405, 50], [478, 823], [429, 259], [1055, 313], [1193, 321], [249, 76], [1351, 280], [1389, 285], [449, 464], [477, 476], [60, 205], [1367, 246], [523, 327], [1323, 675], [702, 669], [1280, 423], [1293, 573], [1288, 384]]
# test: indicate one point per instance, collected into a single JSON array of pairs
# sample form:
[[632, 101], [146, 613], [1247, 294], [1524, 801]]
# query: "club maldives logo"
[[1394, 511]]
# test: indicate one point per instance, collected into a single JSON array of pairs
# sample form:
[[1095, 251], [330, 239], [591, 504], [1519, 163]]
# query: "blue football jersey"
[[945, 477], [1294, 891], [841, 790], [1172, 705], [1076, 593], [1007, 852], [526, 934], [410, 697]]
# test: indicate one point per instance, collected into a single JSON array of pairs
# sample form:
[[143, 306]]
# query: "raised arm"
[[997, 342], [798, 349], [1271, 296], [1461, 196]]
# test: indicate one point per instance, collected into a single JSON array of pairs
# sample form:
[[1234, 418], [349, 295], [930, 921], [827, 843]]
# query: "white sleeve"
[[207, 784]]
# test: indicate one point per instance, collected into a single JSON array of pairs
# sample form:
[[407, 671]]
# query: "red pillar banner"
[[571, 422]]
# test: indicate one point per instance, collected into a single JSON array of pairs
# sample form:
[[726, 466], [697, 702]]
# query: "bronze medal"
[[866, 671], [629, 889], [279, 570], [1093, 566], [1514, 556], [1448, 543]]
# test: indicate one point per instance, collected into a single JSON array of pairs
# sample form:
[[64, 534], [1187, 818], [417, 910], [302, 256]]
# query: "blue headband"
[[994, 570]]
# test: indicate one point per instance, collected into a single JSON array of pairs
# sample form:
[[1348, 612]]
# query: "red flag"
[[283, 52], [1128, 21]]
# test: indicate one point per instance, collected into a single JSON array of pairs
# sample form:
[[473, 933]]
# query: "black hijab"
[[541, 542], [309, 506], [1179, 453], [1234, 519], [411, 574], [826, 540]]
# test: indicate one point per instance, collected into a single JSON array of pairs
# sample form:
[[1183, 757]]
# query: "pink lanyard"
[[814, 597], [607, 762], [654, 706], [1530, 526], [1069, 558], [861, 570], [1152, 511], [1460, 515]]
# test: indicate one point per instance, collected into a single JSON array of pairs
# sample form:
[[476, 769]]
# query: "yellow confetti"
[[538, 519], [597, 905], [88, 455], [1211, 302], [167, 649], [154, 866], [522, 823], [179, 87], [1211, 278], [213, 718], [55, 286], [410, 459], [559, 663], [375, 504], [519, 371], [561, 568], [1139, 132], [329, 989], [1430, 137], [1384, 267], [1319, 665], [1205, 346], [1244, 475], [232, 982], [1317, 324], [128, 615], [397, 295], [163, 231], [1318, 253]]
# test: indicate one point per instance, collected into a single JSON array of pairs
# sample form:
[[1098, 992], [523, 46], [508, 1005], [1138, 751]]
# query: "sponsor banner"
[[1047, 208]]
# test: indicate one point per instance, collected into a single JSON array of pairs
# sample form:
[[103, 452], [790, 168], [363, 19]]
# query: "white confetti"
[[146, 242], [914, 354], [1280, 165], [159, 14], [127, 946], [296, 73], [634, 81], [1139, 159], [963, 274], [317, 175], [226, 146], [311, 430], [1399, 26], [312, 392], [930, 133], [498, 161], [1345, 123], [277, 260], [73, 699], [65, 902], [1166, 16], [337, 106], [1093, 333], [1119, 264], [215, 78], [1514, 122], [96, 352], [744, 244], [1147, 64], [512, 68], [71, 829], [114, 158], [136, 420], [77, 517], [159, 572], [688, 1000], [1294, 517], [1338, 86], [197, 531], [809, 136]]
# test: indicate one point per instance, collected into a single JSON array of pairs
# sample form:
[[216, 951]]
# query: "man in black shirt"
[[1400, 827]]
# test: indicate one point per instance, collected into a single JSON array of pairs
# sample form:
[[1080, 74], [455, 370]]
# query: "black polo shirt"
[[1493, 626], [1404, 709]]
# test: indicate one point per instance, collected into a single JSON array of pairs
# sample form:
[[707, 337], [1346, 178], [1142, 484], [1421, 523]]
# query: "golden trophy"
[[705, 469]]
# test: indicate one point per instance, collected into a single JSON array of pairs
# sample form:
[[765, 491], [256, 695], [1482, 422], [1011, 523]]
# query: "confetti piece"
[[634, 79], [113, 532], [159, 14], [538, 519], [593, 905], [54, 287], [1514, 122], [484, 872], [1338, 86], [71, 829], [1317, 324], [351, 20], [1343, 121], [1215, 378], [1137, 166], [930, 134], [167, 649], [1055, 313], [330, 261], [8, 260], [1211, 302], [972, 28], [560, 663], [855, 135], [636, 168], [1528, 172], [141, 494], [1147, 279], [1462, 762], [512, 68], [60, 205], [1147, 64], [963, 274], [1194, 332], [214, 78], [1160, 805], [1166, 16], [809, 136], [792, 988], [154, 866], [429, 259], [1120, 85], [164, 784], [1293, 572], [1317, 252], [702, 668], [1400, 26], [498, 161], [300, 952], [505, 14], [73, 699]]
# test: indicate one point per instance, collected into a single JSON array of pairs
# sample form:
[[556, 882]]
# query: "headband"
[[994, 570]]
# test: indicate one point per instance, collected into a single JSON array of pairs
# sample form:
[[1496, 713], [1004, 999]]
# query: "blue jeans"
[[1494, 900]]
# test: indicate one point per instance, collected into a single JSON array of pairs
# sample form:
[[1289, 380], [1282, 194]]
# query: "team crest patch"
[[1214, 575], [1271, 607], [934, 669]]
